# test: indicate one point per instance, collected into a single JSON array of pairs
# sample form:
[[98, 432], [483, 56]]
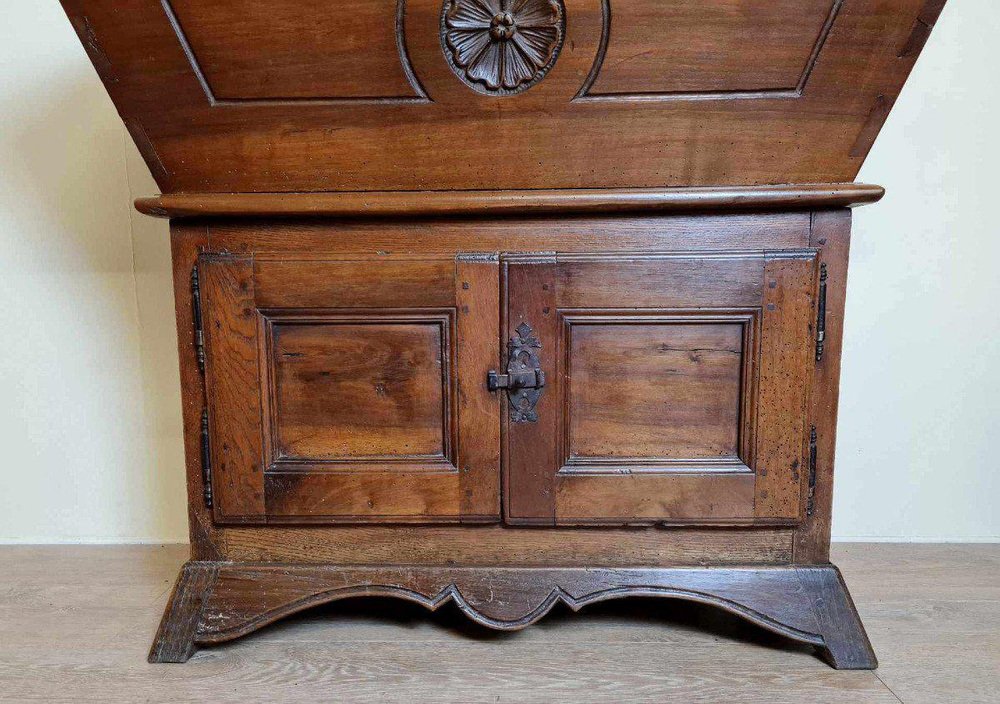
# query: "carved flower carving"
[[502, 46]]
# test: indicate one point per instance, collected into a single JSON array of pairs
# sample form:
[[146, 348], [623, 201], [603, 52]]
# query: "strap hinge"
[[821, 313], [811, 494]]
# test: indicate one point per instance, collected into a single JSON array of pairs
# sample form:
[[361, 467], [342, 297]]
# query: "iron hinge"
[[811, 494], [199, 331], [206, 460], [821, 314]]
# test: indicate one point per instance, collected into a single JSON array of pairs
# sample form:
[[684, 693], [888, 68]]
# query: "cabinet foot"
[[175, 638], [217, 602]]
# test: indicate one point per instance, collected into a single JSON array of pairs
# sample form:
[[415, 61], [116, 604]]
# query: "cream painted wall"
[[90, 433]]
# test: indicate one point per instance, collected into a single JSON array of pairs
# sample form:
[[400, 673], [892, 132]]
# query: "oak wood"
[[652, 389], [360, 387], [530, 448], [509, 203], [186, 242], [174, 641]]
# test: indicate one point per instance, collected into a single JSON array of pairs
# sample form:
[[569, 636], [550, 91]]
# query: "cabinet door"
[[346, 390], [675, 387]]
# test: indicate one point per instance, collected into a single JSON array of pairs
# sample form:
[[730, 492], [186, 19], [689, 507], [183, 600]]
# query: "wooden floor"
[[75, 624]]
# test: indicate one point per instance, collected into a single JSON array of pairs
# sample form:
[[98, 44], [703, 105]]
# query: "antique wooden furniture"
[[508, 302]]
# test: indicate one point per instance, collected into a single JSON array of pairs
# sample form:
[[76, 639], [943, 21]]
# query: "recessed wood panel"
[[710, 46], [353, 389], [666, 389], [295, 49]]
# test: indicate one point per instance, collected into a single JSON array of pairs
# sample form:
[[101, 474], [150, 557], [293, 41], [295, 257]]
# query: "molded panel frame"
[[777, 287], [748, 319], [241, 304]]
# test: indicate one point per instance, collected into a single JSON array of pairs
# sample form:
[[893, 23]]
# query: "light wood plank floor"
[[75, 623]]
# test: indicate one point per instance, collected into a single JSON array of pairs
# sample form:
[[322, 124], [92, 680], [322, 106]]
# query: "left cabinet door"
[[351, 389]]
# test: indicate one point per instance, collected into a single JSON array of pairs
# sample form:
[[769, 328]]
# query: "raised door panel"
[[352, 390], [687, 406]]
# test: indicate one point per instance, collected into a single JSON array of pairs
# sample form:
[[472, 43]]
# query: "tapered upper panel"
[[314, 95]]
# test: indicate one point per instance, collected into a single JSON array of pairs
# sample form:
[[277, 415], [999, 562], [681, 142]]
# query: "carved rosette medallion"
[[502, 47]]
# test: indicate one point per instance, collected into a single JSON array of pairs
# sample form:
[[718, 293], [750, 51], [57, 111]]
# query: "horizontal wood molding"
[[513, 203]]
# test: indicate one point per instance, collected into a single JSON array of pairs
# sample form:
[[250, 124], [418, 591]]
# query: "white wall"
[[920, 390], [90, 432]]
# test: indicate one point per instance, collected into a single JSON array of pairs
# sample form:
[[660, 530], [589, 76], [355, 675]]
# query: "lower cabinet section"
[[616, 389]]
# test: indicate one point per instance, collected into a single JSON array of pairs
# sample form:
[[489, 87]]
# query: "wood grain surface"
[[511, 203], [292, 96]]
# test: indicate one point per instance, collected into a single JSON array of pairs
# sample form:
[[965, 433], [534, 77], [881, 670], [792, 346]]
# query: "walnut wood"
[[831, 235], [353, 366], [511, 202], [782, 430], [771, 231], [477, 304], [786, 106], [333, 273], [232, 373], [671, 290], [186, 242], [175, 638], [380, 195], [509, 546], [649, 40], [807, 604]]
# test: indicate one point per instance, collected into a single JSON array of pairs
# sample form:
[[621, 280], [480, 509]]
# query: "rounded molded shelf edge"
[[389, 204]]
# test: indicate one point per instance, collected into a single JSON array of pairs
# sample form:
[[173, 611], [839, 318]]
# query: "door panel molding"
[[352, 390], [671, 432]]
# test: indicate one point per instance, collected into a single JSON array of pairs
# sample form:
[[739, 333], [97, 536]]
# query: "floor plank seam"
[[879, 678]]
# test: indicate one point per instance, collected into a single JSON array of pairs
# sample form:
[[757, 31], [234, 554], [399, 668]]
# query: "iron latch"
[[512, 381], [524, 379]]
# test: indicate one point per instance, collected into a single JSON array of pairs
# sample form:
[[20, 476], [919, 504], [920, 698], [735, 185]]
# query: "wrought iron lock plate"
[[524, 379]]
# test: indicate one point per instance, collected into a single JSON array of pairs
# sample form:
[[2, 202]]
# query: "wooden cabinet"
[[497, 303], [668, 387]]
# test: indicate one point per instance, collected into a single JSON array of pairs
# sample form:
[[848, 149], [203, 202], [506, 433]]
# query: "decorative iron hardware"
[[810, 496], [524, 379], [206, 460], [821, 314], [199, 331]]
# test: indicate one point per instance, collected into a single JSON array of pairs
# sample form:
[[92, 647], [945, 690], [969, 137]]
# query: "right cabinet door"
[[675, 387]]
